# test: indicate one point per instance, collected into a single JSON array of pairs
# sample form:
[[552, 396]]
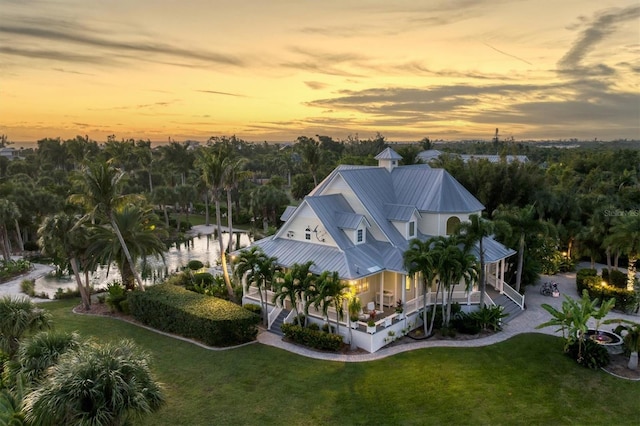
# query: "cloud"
[[315, 85], [45, 31], [214, 92], [604, 24]]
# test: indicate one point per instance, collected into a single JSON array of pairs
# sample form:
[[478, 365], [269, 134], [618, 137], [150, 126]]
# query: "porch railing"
[[512, 294]]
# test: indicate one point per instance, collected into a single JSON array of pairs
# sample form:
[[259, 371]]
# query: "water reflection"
[[203, 248]]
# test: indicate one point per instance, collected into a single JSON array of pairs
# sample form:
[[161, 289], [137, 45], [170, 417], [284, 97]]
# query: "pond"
[[202, 247]]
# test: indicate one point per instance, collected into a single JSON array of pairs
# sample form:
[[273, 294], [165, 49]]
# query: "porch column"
[[382, 291], [502, 266], [403, 290]]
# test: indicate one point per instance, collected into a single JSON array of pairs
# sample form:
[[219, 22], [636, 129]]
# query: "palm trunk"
[[631, 273], [166, 215], [424, 305], [223, 257], [608, 252], [483, 284], [19, 236], [125, 249], [520, 263], [86, 300], [433, 313], [229, 221], [207, 222], [3, 247]]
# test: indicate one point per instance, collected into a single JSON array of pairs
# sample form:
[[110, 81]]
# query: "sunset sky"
[[275, 70]]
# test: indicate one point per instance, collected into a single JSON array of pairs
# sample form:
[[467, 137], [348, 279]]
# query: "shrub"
[[593, 354], [28, 287], [203, 279], [252, 307], [180, 279], [116, 294], [213, 321], [313, 326], [489, 318], [194, 265], [616, 278], [581, 275], [465, 323], [66, 294], [626, 300], [312, 338]]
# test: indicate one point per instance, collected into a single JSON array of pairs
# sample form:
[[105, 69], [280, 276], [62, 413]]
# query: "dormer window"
[[360, 235], [412, 229]]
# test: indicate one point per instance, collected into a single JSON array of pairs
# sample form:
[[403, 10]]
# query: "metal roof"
[[432, 190], [287, 213], [400, 212], [388, 154]]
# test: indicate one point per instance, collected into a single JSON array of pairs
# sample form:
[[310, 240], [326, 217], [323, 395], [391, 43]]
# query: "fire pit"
[[611, 341]]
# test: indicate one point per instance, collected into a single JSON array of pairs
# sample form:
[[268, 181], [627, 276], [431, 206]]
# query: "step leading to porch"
[[510, 307], [276, 327]]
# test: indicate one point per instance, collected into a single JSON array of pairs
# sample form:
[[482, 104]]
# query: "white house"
[[359, 221]]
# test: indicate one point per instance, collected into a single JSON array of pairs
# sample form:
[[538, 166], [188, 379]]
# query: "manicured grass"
[[525, 380]]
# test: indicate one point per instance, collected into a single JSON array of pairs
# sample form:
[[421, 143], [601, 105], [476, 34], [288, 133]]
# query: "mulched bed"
[[618, 367]]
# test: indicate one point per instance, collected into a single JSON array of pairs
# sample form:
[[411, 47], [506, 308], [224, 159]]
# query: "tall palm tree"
[[521, 222], [65, 236], [463, 267], [18, 315], [474, 232], [233, 175], [331, 292], [310, 152], [625, 234], [420, 258], [100, 185], [141, 234], [258, 270], [212, 166], [108, 384]]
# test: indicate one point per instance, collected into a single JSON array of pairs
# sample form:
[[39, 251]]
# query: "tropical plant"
[[9, 214], [99, 185], [141, 234], [475, 231], [625, 234], [259, 270], [573, 318], [291, 284], [108, 384], [212, 166], [65, 236], [331, 292], [420, 258], [18, 315]]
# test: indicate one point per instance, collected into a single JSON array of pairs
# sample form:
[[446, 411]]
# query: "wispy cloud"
[[66, 34], [215, 92]]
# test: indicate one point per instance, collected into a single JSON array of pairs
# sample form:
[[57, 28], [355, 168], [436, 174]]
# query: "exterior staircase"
[[510, 307], [276, 327]]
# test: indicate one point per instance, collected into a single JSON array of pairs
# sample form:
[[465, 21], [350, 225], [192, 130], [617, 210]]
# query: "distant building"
[[433, 154], [8, 152]]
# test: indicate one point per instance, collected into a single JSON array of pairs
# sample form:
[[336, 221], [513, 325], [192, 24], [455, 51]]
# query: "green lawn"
[[525, 380]]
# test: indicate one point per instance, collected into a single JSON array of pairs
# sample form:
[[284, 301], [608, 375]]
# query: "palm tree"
[[9, 213], [100, 193], [625, 234], [420, 258], [234, 174], [310, 152], [474, 232], [162, 196], [65, 236], [331, 292], [292, 284], [42, 351], [108, 384], [521, 222], [19, 315], [259, 270], [212, 167], [462, 266], [141, 234]]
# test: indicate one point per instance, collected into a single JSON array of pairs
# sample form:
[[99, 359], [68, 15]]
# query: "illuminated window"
[[361, 286]]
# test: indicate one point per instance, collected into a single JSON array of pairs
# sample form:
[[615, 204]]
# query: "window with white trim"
[[360, 236], [412, 229]]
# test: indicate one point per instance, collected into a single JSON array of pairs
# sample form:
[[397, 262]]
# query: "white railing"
[[273, 315], [488, 301], [512, 294]]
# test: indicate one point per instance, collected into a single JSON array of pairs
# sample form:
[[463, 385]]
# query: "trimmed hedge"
[[626, 300], [313, 338], [213, 321]]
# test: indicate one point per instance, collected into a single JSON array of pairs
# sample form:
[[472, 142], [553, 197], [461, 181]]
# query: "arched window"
[[452, 223]]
